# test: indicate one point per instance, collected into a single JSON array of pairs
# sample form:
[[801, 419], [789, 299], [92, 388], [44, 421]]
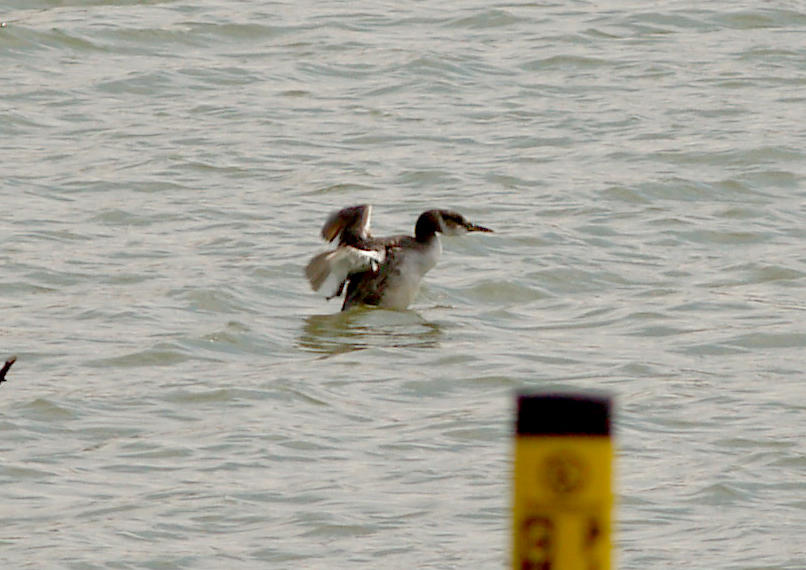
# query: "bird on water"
[[381, 271]]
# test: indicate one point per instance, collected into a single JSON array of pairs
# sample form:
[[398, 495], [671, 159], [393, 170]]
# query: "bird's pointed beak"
[[477, 228]]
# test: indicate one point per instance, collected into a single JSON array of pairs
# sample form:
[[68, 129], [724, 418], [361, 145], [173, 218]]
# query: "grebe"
[[386, 271]]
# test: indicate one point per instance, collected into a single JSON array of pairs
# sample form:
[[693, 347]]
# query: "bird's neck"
[[430, 254]]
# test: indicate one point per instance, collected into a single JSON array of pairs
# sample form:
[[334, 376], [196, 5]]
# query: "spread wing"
[[350, 225], [369, 287], [355, 253], [330, 269]]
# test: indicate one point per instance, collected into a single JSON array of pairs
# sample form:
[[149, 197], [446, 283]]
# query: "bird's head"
[[446, 222]]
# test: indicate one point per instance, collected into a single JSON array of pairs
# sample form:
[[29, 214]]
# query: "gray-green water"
[[182, 400]]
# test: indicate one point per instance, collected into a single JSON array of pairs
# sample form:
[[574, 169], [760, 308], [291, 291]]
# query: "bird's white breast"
[[414, 265]]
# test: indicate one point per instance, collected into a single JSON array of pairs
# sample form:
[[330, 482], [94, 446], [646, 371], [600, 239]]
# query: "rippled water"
[[182, 400]]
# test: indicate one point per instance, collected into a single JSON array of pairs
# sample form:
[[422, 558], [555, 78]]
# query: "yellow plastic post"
[[562, 483]]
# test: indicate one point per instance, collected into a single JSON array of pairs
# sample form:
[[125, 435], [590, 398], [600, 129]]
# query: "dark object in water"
[[5, 368]]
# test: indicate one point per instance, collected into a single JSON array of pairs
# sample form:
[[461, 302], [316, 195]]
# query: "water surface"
[[182, 400]]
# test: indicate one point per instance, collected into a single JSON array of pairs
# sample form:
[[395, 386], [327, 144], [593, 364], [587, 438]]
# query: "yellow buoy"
[[562, 483]]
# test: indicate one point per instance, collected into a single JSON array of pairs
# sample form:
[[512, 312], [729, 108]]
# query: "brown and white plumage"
[[380, 271]]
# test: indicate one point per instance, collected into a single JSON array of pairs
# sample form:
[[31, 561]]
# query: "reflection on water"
[[366, 327]]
